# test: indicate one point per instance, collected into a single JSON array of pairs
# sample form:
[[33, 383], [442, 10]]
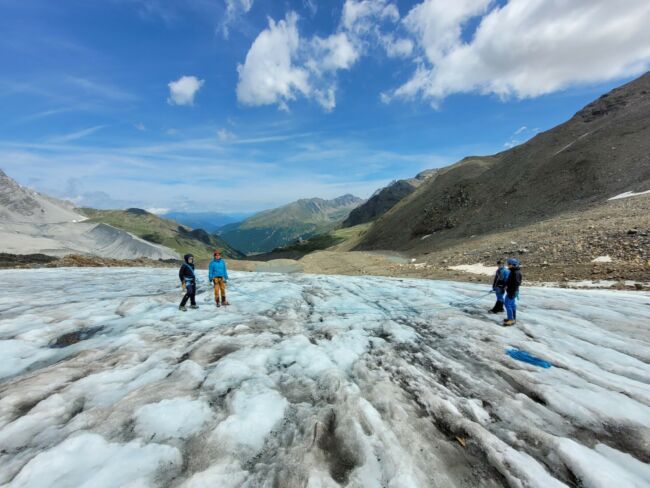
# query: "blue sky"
[[240, 105]]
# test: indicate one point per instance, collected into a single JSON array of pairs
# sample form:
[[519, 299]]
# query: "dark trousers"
[[190, 294]]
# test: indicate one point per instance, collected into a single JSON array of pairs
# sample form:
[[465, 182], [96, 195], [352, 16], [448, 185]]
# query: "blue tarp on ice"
[[526, 357]]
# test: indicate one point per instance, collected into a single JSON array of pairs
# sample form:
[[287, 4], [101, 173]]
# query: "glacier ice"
[[316, 381]]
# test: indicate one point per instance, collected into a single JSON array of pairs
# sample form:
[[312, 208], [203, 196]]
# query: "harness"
[[192, 279]]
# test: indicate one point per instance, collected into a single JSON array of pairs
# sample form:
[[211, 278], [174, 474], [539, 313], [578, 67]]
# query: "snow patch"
[[629, 194], [478, 268], [602, 259]]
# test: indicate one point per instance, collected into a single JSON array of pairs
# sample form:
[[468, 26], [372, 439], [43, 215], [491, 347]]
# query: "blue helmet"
[[513, 262]]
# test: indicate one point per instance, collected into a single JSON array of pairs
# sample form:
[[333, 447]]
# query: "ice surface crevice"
[[314, 381]]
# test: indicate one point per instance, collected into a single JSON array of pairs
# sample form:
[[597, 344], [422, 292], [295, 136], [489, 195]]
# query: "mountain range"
[[277, 227], [601, 152], [34, 223], [155, 229], [209, 221]]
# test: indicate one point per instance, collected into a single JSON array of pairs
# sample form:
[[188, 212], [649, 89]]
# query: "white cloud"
[[158, 210], [396, 47], [183, 90], [225, 135], [333, 53], [520, 136], [140, 126], [361, 17], [525, 48], [269, 75], [437, 24], [282, 66], [234, 10]]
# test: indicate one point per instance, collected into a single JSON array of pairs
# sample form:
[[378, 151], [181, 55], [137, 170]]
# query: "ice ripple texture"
[[316, 381]]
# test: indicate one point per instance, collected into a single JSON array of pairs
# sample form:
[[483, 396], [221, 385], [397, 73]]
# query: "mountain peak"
[[280, 226]]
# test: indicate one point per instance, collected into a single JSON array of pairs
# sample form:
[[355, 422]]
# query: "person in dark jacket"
[[513, 282], [188, 282], [499, 286]]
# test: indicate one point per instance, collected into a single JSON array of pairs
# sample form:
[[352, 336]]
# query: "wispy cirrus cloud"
[[101, 90], [291, 165], [235, 9], [73, 136]]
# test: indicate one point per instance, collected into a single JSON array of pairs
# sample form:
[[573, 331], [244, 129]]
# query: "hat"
[[513, 262]]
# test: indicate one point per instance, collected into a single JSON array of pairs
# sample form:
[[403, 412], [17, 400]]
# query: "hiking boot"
[[218, 303], [498, 308], [182, 308], [224, 302], [194, 306], [507, 323]]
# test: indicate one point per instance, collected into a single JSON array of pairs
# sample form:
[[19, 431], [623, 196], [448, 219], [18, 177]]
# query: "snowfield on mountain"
[[317, 381]]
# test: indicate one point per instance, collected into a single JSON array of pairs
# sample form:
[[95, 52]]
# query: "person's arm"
[[225, 271], [181, 276], [210, 277]]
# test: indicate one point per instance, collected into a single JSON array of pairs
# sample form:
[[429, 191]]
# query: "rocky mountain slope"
[[157, 230], [386, 198], [34, 223], [304, 218], [20, 205], [602, 151]]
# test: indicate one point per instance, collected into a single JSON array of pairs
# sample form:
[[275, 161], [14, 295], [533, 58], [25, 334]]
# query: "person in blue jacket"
[[188, 282], [513, 282], [499, 286], [218, 276]]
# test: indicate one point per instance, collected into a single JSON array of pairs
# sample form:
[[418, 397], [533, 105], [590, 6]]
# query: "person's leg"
[[509, 303], [500, 296], [192, 291], [222, 284], [186, 297], [215, 284], [498, 305]]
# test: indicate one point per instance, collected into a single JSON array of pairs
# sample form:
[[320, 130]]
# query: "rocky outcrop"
[[386, 198]]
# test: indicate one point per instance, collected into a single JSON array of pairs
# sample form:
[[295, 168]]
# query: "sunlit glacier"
[[316, 381]]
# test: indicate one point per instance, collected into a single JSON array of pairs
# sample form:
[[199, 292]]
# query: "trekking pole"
[[471, 300]]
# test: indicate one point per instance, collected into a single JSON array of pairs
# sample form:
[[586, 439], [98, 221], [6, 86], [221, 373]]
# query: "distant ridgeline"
[[278, 227], [163, 231]]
